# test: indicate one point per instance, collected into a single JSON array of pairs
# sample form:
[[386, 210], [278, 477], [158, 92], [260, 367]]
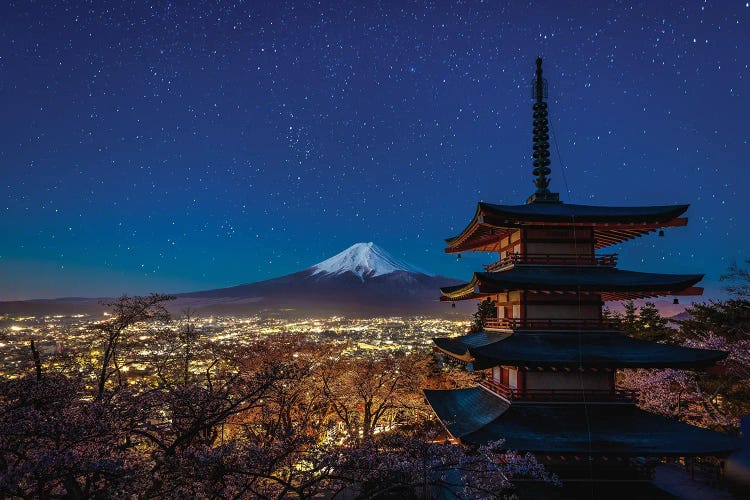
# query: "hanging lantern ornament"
[[458, 256], [661, 232], [676, 301], [453, 304]]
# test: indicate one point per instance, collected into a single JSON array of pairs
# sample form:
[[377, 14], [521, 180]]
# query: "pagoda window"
[[516, 311], [497, 374], [500, 311], [513, 378]]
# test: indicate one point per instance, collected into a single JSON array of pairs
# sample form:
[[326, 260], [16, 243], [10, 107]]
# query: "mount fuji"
[[366, 260], [363, 280]]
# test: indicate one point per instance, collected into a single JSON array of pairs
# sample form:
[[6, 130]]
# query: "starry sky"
[[157, 146]]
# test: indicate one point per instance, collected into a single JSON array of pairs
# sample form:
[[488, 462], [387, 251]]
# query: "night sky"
[[172, 147]]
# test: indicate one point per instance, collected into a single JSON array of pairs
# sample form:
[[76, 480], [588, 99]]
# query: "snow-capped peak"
[[366, 260]]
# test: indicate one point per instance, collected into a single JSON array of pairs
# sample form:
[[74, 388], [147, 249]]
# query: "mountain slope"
[[362, 280]]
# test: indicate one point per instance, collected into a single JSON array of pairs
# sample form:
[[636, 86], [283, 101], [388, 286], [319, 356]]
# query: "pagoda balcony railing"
[[553, 259], [548, 324], [617, 394]]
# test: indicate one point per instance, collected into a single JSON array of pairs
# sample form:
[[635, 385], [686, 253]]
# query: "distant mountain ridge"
[[362, 280]]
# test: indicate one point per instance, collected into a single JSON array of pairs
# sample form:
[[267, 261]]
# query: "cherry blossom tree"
[[738, 280], [368, 395], [283, 418], [113, 332], [715, 398], [423, 468], [55, 442]]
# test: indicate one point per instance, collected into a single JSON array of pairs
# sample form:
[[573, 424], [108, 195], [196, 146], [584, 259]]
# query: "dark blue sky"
[[171, 147]]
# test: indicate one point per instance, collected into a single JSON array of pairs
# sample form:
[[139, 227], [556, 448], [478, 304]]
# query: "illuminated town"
[[73, 333]]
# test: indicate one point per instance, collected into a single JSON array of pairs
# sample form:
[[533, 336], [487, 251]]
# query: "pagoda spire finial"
[[541, 140]]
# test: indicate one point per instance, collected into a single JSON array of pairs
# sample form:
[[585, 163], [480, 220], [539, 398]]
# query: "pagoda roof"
[[476, 417], [585, 349], [611, 224], [614, 284]]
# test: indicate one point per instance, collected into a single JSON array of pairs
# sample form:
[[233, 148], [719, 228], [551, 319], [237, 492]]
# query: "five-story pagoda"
[[549, 358]]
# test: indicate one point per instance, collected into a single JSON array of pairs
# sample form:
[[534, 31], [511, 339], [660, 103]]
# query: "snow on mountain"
[[365, 260]]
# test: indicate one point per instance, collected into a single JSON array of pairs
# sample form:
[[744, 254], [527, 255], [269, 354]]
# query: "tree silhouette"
[[739, 280], [486, 309], [126, 312]]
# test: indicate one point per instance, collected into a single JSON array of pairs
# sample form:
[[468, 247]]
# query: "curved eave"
[[612, 225], [633, 295], [464, 358], [476, 417], [591, 350], [459, 347], [464, 291], [467, 231], [612, 284], [588, 214], [465, 411], [543, 278]]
